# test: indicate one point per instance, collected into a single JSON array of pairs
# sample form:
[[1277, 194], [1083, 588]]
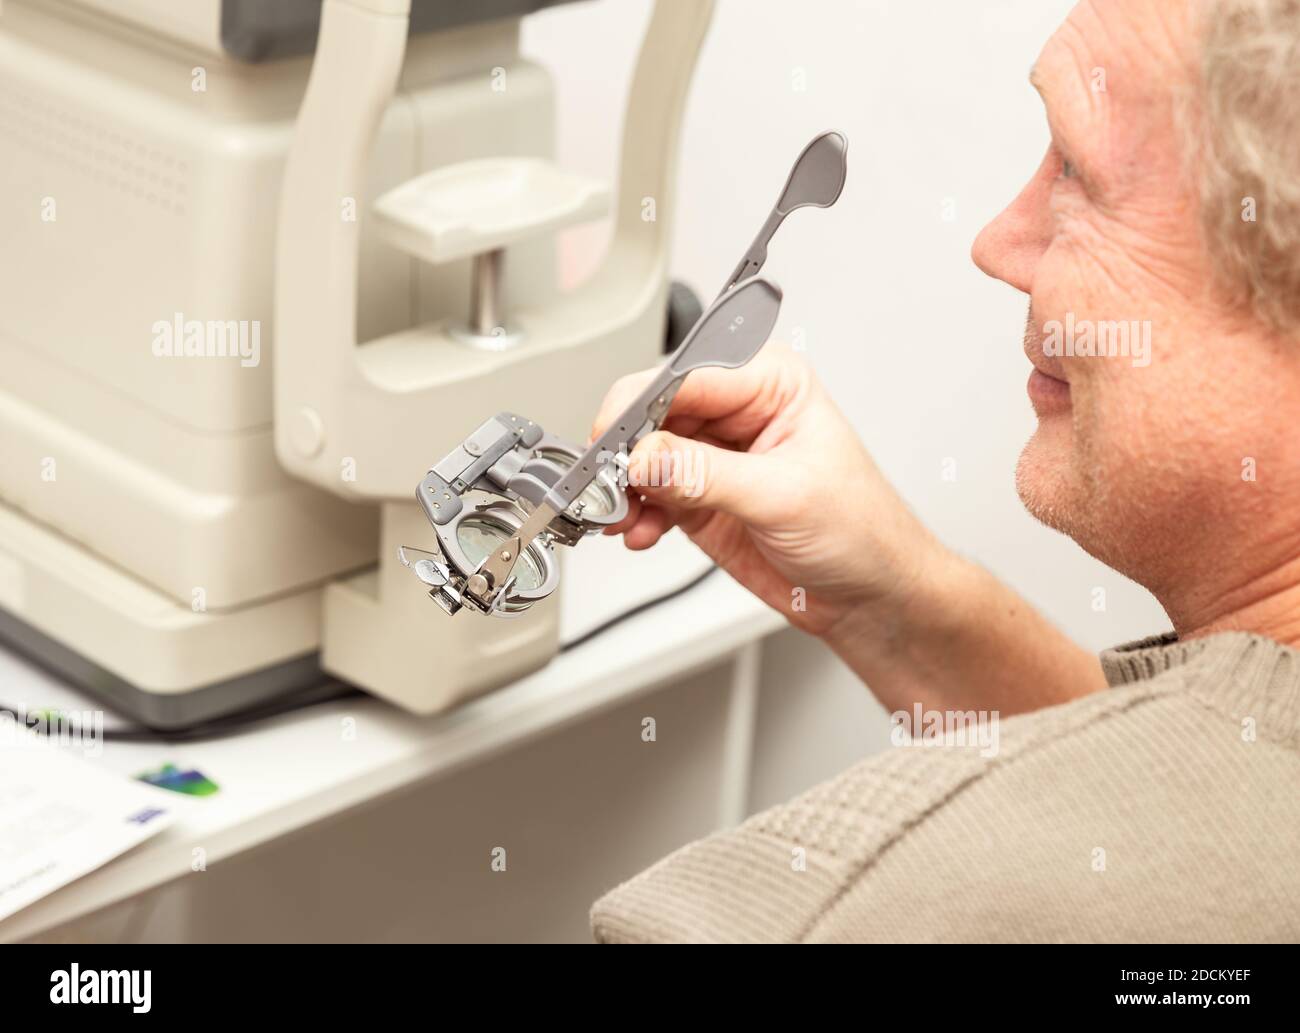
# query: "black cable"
[[587, 636], [331, 689], [327, 691]]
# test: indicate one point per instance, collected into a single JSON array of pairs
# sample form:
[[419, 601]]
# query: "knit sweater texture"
[[1165, 809]]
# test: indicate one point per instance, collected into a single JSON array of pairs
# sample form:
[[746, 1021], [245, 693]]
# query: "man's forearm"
[[964, 641]]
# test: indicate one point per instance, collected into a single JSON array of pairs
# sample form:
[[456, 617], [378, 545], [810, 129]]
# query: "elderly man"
[[1152, 796]]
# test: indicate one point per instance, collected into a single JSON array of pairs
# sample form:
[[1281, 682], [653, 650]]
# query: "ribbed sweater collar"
[[1244, 675]]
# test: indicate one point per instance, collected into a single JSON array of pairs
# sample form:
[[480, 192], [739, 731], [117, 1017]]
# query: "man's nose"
[[984, 252], [1008, 249]]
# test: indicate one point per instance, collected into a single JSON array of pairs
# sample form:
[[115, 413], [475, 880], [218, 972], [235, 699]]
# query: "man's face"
[[1140, 451]]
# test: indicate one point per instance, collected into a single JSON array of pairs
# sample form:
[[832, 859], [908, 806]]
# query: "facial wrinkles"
[[1118, 261], [1141, 153], [1149, 216], [1097, 263], [1128, 237], [1076, 107]]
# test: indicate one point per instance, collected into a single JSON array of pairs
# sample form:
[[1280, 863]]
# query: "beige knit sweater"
[[1164, 809]]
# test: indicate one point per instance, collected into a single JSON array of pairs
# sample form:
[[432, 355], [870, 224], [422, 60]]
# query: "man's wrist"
[[931, 596]]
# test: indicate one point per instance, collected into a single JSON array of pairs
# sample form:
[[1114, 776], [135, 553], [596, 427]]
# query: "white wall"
[[921, 350]]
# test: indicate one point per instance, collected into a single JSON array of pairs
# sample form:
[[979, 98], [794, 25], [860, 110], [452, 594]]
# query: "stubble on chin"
[[1051, 485], [1034, 477]]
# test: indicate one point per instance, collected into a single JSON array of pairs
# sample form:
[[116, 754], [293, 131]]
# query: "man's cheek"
[[1085, 269], [1113, 411], [1062, 287]]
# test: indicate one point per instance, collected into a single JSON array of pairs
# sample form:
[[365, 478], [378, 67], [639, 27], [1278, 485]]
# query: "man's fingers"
[[646, 532], [618, 398], [675, 472], [732, 404]]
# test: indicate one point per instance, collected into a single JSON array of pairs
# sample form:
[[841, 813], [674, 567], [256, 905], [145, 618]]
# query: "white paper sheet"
[[62, 816]]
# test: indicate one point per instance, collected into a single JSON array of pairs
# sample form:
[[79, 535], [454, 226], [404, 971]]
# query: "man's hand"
[[765, 475], [762, 471]]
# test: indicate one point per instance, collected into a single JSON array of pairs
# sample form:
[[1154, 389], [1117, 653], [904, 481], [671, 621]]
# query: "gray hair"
[[1248, 153]]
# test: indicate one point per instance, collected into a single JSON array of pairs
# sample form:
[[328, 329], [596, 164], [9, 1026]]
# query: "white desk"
[[288, 773]]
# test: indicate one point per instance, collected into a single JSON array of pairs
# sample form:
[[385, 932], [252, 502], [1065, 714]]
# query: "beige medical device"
[[258, 262]]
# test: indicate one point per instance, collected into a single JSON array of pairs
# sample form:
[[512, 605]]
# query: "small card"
[[62, 816]]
